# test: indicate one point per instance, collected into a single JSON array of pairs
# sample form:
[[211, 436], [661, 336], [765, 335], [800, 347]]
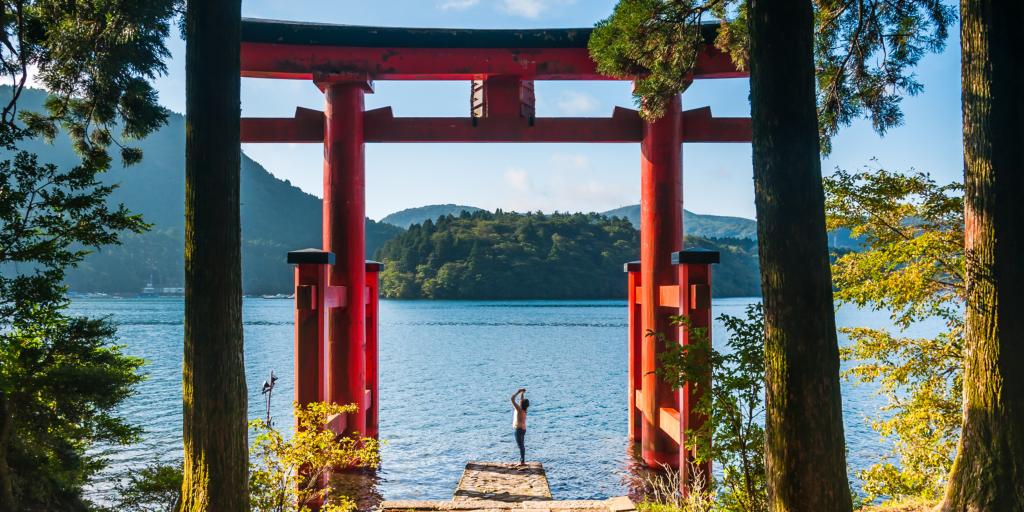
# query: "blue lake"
[[447, 370]]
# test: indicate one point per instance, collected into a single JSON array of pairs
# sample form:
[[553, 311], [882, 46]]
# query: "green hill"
[[719, 226], [695, 224], [504, 255], [420, 214], [276, 216]]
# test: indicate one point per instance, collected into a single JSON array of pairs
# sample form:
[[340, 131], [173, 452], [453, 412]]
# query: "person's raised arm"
[[514, 404]]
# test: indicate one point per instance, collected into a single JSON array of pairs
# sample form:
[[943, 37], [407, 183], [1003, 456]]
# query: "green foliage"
[[864, 51], [61, 377], [911, 265], [732, 434], [509, 255], [484, 255], [154, 488], [657, 43], [284, 475], [97, 58]]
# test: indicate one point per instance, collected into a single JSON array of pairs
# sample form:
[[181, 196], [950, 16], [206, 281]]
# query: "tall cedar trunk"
[[7, 503], [216, 449], [988, 473], [805, 452]]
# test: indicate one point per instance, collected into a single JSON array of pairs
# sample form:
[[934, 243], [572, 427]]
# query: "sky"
[[564, 177]]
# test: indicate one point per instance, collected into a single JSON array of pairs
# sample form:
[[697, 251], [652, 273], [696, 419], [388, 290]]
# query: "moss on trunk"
[[988, 473], [214, 392], [805, 452]]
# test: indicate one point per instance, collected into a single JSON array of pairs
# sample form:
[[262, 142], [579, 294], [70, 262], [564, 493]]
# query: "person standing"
[[519, 421]]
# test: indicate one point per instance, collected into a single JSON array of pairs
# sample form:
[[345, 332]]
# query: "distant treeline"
[[484, 255]]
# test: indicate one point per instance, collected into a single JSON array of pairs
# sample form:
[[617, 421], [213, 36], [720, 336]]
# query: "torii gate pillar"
[[344, 234], [661, 234]]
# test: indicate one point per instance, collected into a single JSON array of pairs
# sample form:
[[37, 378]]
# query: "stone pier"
[[500, 487]]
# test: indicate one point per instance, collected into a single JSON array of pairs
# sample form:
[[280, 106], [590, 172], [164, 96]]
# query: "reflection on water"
[[447, 371]]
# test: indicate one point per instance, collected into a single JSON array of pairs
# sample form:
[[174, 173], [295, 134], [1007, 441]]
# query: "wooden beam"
[[668, 422], [300, 62], [700, 126], [381, 126], [306, 126]]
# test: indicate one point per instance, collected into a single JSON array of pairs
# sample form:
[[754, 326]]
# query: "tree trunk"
[[988, 473], [215, 401], [7, 502], [805, 452]]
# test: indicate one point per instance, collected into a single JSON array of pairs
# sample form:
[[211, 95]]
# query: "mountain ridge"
[[419, 214]]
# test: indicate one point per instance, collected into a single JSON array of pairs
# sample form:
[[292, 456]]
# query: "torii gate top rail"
[[283, 49]]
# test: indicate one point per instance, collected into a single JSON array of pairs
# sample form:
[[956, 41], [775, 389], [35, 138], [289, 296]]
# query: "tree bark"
[[7, 501], [988, 472], [214, 391], [805, 452]]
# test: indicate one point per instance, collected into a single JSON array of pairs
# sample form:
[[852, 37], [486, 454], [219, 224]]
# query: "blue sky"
[[565, 177]]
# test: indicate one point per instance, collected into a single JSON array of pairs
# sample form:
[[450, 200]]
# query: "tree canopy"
[[504, 255], [61, 377], [864, 51]]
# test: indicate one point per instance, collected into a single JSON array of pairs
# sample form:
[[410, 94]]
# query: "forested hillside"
[[696, 224], [420, 214], [501, 255], [276, 216], [722, 226]]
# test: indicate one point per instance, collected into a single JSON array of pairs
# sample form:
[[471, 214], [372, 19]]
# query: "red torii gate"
[[336, 299]]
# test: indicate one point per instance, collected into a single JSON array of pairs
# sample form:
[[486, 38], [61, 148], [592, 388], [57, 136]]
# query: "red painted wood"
[[344, 235], [635, 338], [372, 358], [335, 297], [690, 274], [623, 126], [502, 96], [306, 126], [380, 125], [661, 228], [698, 125], [300, 62], [309, 331]]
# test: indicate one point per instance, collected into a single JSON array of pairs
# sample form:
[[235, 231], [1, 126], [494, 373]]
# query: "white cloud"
[[566, 183], [570, 161], [457, 5], [518, 179], [524, 8], [576, 103]]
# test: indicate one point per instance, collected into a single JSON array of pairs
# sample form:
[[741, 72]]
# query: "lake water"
[[447, 370]]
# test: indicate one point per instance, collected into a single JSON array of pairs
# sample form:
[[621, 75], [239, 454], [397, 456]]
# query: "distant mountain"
[[276, 216], [418, 215], [695, 224], [719, 226]]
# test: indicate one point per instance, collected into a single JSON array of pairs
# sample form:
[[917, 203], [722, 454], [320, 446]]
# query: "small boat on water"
[[167, 291], [278, 296]]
